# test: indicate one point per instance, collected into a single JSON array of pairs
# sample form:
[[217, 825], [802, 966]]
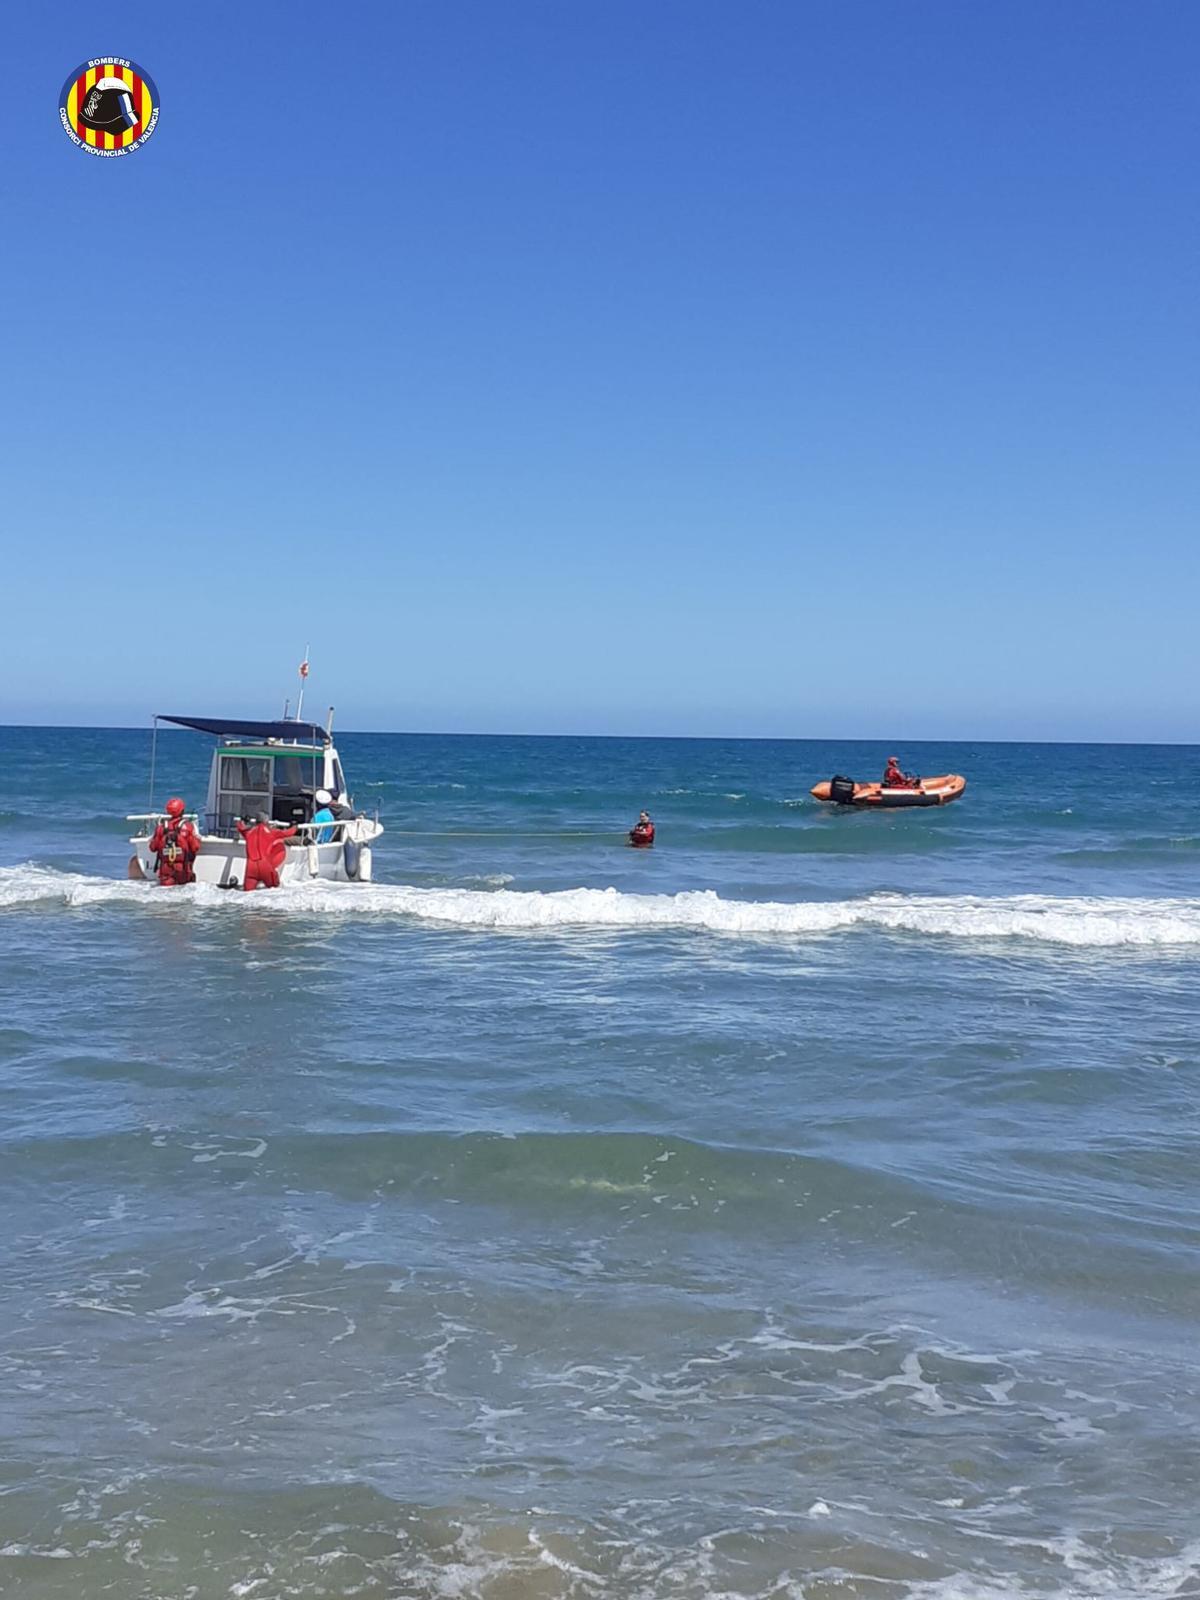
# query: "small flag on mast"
[[303, 675]]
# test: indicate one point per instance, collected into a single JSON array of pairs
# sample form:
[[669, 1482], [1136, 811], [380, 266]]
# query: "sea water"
[[805, 1207]]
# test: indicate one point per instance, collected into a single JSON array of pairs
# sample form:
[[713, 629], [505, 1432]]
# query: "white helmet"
[[322, 797]]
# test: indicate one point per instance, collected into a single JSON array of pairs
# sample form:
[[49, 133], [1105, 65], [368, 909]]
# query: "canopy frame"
[[288, 732]]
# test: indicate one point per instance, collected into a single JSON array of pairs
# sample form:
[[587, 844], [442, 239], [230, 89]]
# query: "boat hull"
[[222, 862], [939, 791]]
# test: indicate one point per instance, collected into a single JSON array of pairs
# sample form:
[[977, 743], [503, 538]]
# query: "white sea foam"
[[31, 886], [1096, 922], [524, 1558]]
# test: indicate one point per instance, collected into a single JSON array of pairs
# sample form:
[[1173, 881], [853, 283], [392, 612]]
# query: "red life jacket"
[[174, 839]]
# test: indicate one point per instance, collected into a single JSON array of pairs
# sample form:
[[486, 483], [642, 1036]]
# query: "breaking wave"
[[1091, 922]]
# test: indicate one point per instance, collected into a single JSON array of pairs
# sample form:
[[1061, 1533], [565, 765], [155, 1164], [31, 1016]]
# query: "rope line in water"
[[498, 833]]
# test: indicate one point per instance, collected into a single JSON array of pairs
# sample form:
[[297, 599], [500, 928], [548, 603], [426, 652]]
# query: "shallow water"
[[806, 1207]]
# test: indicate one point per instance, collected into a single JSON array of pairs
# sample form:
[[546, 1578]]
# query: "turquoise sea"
[[807, 1207]]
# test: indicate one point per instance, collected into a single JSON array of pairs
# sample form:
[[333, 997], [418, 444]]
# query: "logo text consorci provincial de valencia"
[[109, 106]]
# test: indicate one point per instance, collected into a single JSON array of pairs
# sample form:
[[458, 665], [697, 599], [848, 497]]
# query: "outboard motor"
[[841, 791]]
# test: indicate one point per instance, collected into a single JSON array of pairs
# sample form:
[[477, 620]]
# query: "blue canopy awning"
[[238, 728]]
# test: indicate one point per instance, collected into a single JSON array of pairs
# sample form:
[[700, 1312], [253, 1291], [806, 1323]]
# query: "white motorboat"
[[273, 770]]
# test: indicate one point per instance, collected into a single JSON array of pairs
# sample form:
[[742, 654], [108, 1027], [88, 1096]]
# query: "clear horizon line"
[[682, 738]]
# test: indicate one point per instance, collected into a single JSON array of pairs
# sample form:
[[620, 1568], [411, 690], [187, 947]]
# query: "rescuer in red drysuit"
[[893, 778], [265, 853], [175, 844], [642, 833]]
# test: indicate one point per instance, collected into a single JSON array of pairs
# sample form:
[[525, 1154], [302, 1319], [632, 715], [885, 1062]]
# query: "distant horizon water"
[[714, 738]]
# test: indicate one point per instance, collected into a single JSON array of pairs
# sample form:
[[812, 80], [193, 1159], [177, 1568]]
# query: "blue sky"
[[765, 368]]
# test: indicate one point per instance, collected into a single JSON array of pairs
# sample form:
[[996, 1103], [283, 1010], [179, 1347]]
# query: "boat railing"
[[211, 826], [308, 831]]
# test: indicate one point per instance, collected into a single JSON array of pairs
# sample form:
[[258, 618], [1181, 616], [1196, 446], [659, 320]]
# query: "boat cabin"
[[270, 767]]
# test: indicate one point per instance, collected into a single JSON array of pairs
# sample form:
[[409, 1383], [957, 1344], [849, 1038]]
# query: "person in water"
[[894, 778], [265, 852], [642, 832], [176, 844]]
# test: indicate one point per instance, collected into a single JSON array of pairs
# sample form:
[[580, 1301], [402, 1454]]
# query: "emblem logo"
[[108, 106]]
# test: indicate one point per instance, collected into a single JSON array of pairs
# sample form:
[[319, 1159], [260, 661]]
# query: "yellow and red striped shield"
[[109, 106]]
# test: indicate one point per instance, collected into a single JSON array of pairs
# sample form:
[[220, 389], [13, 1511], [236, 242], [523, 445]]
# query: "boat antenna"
[[303, 676]]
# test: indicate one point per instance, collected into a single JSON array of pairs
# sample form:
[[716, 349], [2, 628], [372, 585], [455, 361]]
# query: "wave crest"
[[1097, 922]]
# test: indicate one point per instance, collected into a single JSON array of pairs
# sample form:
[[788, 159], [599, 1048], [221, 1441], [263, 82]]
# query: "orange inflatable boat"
[[925, 792]]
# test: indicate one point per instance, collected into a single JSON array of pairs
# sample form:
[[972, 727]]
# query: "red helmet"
[[175, 806]]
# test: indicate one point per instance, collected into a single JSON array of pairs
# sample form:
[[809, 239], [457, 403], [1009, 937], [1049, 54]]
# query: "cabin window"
[[244, 784], [245, 774], [339, 783], [296, 778], [296, 773]]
